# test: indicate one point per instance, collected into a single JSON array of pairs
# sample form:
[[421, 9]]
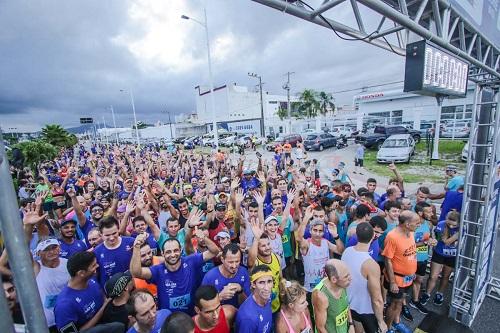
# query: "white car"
[[341, 131], [228, 141], [457, 130], [465, 152], [397, 148], [306, 132]]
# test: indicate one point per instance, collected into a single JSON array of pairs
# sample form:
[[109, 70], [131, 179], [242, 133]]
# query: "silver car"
[[397, 148]]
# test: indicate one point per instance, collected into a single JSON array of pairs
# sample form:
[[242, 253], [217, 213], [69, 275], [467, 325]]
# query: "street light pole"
[[105, 130], [210, 79], [262, 128], [170, 124], [135, 117], [114, 123]]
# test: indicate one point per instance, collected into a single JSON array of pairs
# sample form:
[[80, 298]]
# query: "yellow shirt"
[[275, 267]]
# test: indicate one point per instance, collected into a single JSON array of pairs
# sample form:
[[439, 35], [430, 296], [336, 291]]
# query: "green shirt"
[[337, 316], [286, 238], [45, 187]]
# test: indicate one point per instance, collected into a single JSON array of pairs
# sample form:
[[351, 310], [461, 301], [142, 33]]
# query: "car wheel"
[[409, 159], [321, 148], [379, 145], [416, 138]]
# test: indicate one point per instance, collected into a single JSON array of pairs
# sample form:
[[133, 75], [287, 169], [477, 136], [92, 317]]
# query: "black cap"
[[117, 283], [220, 206]]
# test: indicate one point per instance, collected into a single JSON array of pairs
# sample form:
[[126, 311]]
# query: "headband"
[[260, 274]]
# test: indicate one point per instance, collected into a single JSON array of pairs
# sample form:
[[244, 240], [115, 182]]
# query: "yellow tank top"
[[275, 267]]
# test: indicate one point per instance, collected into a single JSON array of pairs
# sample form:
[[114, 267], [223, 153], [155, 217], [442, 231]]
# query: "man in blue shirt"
[[80, 305], [255, 314], [177, 278], [68, 242], [452, 180], [230, 279]]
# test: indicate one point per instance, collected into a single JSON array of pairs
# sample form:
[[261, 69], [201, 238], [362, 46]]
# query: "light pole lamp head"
[[184, 17]]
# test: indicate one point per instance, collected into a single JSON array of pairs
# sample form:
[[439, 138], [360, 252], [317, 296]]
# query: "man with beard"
[[182, 213], [85, 223], [51, 277], [11, 296], [147, 318], [211, 315], [81, 303], [68, 242], [177, 276], [255, 314], [229, 279], [148, 260], [94, 238]]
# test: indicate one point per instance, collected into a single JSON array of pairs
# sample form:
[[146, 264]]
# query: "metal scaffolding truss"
[[434, 20]]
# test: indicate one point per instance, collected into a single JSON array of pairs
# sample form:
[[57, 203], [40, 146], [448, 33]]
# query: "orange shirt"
[[287, 148], [402, 252], [142, 284]]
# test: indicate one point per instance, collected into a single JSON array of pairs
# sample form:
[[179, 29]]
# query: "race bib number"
[[423, 249], [342, 317], [408, 278], [450, 252], [180, 302]]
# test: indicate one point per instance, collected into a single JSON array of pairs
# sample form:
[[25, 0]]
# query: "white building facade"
[[239, 110]]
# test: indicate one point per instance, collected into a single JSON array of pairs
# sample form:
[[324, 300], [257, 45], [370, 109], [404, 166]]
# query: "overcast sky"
[[62, 60]]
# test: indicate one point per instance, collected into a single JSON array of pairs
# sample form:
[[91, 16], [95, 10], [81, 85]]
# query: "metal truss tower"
[[404, 21]]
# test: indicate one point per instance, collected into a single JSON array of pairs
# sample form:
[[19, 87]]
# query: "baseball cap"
[[270, 218], [224, 179], [220, 206], [121, 209], [222, 234], [117, 283], [46, 243], [247, 172], [335, 171], [451, 168]]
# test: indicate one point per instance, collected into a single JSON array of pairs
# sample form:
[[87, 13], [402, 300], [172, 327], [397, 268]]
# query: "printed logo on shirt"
[[261, 318], [216, 282], [78, 299]]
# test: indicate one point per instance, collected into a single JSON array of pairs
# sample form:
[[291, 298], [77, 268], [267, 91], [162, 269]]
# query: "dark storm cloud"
[[60, 59]]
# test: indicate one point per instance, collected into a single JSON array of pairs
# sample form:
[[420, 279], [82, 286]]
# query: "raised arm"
[[286, 211], [257, 230], [80, 215], [136, 268]]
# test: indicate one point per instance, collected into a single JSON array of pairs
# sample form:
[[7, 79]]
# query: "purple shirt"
[[176, 289], [67, 250], [78, 306], [252, 317], [373, 250], [215, 278], [113, 261]]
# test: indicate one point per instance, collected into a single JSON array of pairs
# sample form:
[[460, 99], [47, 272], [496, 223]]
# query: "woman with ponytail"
[[294, 315]]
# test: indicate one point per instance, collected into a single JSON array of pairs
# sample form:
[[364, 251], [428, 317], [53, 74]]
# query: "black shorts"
[[401, 293], [421, 268], [369, 321], [381, 264], [358, 162], [442, 260]]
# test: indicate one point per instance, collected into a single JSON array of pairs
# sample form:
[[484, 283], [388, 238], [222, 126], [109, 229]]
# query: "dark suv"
[[319, 141], [380, 133], [292, 139]]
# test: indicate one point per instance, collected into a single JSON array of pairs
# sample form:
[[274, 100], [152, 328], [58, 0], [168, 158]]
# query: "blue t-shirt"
[[373, 250], [151, 241], [78, 306], [452, 200], [67, 250], [455, 183], [253, 318], [441, 248], [422, 233], [215, 278], [176, 289], [113, 261], [161, 316]]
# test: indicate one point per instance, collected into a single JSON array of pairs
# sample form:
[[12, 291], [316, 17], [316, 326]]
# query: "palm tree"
[[326, 103], [36, 151], [57, 136], [282, 113], [309, 105]]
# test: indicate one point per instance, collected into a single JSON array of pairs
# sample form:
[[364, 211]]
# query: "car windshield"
[[311, 137], [457, 125], [395, 143]]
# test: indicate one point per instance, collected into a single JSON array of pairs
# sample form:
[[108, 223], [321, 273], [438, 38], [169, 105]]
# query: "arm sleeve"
[[389, 247]]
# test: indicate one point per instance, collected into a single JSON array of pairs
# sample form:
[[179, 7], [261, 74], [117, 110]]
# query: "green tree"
[[310, 104], [36, 152], [325, 103], [282, 113], [58, 136]]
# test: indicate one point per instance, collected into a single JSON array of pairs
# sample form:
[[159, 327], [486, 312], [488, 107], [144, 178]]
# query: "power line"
[[363, 87]]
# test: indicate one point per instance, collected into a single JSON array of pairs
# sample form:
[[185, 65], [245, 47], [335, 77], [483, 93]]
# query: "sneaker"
[[400, 327], [424, 298], [405, 312], [438, 299], [417, 305]]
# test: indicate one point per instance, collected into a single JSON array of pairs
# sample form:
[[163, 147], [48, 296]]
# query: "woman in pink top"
[[294, 315]]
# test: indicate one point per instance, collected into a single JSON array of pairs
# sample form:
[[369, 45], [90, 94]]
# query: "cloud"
[[62, 60]]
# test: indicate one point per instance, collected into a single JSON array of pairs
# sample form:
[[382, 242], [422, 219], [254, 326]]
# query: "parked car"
[[190, 142], [424, 128], [465, 152], [381, 133], [341, 131], [319, 141], [397, 148], [291, 138], [228, 141], [306, 132], [457, 130]]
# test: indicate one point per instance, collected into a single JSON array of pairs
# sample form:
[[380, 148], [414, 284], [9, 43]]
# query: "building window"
[[273, 102]]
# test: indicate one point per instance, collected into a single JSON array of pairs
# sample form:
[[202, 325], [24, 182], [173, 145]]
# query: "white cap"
[[223, 234], [270, 218], [46, 243]]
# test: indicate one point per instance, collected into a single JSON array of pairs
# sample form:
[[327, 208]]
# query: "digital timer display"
[[432, 71]]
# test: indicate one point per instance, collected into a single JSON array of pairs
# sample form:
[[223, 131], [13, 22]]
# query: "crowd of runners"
[[144, 240]]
